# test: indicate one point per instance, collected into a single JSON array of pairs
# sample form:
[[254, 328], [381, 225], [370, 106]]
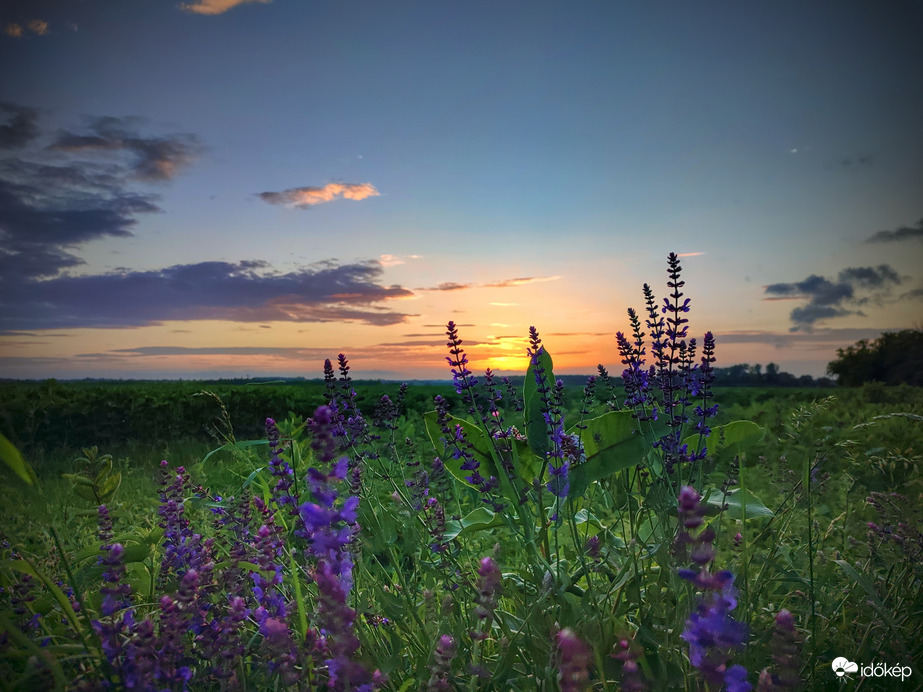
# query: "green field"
[[452, 584]]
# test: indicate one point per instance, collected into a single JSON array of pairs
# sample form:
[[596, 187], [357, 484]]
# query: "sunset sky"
[[230, 188]]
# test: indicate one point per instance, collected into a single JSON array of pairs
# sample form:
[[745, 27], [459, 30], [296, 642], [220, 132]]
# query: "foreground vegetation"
[[493, 537]]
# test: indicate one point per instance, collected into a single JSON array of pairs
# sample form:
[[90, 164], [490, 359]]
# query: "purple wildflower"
[[711, 631], [786, 654], [279, 468], [632, 678], [112, 627], [462, 377], [441, 668], [177, 534], [575, 661], [489, 586], [280, 649], [328, 528], [268, 548]]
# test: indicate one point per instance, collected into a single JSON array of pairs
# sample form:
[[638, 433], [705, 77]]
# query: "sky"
[[225, 188]]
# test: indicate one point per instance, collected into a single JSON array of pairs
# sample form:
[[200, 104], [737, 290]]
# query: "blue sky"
[[225, 188]]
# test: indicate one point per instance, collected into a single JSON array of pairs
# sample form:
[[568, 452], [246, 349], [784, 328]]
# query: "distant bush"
[[892, 358]]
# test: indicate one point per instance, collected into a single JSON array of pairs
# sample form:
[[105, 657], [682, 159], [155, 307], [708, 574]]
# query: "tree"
[[892, 358], [772, 373]]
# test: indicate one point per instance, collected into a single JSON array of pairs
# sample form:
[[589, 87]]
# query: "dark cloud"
[[898, 234], [153, 158], [870, 277], [47, 210], [21, 125], [829, 299], [203, 291], [55, 198], [818, 338]]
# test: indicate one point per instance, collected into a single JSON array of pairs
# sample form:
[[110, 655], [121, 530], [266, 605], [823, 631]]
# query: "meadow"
[[640, 531]]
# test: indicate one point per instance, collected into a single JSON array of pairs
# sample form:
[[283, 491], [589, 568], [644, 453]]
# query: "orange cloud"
[[310, 196], [690, 254], [521, 281], [38, 27], [213, 7], [14, 30], [447, 286], [392, 260]]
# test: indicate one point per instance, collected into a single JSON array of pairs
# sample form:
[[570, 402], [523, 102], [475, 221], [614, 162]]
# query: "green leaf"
[[476, 520], [533, 416], [232, 446], [729, 440], [110, 485], [588, 523], [737, 501], [78, 479], [611, 443], [480, 446]]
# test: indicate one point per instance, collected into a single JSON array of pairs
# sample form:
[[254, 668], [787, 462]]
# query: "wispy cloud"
[[505, 305], [898, 234], [213, 7], [241, 292], [690, 254], [828, 299], [304, 197], [446, 286], [522, 281]]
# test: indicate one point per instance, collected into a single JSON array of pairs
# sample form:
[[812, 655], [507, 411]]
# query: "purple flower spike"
[[490, 583], [711, 631], [786, 647], [575, 661], [440, 670]]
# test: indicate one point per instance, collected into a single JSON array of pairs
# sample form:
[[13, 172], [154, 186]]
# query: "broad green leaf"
[[611, 443], [533, 416], [737, 501], [588, 524], [480, 446], [476, 520], [525, 464], [86, 493], [105, 470], [110, 485], [729, 440], [78, 479]]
